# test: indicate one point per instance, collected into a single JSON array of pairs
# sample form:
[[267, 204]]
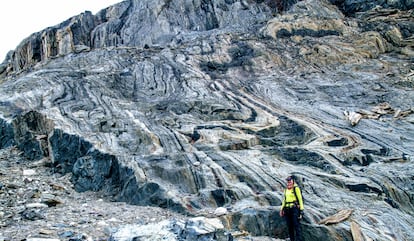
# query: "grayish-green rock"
[[194, 105]]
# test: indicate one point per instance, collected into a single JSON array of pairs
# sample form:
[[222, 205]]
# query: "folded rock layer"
[[195, 105]]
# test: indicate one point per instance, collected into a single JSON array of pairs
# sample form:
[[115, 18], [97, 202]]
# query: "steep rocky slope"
[[195, 105]]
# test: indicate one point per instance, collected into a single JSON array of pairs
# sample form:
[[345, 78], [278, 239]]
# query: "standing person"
[[292, 209]]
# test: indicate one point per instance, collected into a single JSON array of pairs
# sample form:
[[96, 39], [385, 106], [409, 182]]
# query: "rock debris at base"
[[41, 204]]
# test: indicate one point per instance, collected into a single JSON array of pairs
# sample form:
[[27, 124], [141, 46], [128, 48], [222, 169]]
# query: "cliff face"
[[194, 105]]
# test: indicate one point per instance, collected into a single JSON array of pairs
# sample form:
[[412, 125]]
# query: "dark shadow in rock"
[[338, 142], [289, 132], [240, 57], [66, 150], [150, 193], [30, 134], [299, 156], [362, 187], [223, 196], [363, 160], [284, 33], [92, 172], [6, 134], [381, 152]]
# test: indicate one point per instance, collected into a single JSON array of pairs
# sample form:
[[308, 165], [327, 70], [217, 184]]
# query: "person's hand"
[[301, 214], [281, 213]]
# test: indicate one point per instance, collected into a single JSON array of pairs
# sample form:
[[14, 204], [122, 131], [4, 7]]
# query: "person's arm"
[[300, 200], [284, 200], [281, 212]]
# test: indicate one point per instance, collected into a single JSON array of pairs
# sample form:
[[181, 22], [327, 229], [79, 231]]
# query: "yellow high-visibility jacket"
[[290, 198]]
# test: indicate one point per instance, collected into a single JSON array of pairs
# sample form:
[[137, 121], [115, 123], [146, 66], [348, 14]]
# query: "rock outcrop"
[[195, 105]]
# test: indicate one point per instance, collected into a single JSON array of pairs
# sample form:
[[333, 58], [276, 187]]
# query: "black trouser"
[[293, 223]]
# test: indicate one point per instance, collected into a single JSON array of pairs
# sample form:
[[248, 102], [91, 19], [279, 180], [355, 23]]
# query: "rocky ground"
[[39, 205], [36, 203]]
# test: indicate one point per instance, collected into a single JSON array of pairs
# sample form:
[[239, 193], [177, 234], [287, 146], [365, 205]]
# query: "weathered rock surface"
[[37, 203], [195, 105]]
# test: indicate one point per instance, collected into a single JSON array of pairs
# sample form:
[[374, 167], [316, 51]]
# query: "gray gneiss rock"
[[195, 105]]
